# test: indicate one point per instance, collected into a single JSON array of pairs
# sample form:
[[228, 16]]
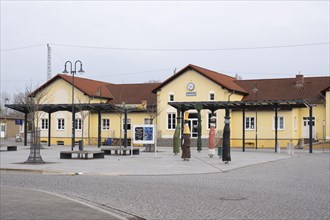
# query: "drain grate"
[[232, 198]]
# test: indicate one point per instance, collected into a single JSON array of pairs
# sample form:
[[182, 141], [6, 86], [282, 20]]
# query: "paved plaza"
[[163, 162], [256, 184]]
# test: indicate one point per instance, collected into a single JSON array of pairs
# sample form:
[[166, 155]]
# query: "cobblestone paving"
[[296, 188]]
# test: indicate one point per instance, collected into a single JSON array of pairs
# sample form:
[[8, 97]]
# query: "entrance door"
[[305, 127], [3, 130], [193, 122], [193, 127]]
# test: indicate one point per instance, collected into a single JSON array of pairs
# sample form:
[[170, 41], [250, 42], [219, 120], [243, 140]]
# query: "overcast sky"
[[135, 42]]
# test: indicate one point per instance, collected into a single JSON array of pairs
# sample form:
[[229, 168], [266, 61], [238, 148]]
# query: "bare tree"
[[33, 101], [83, 115]]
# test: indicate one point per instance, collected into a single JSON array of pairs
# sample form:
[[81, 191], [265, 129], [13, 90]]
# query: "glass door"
[[193, 123]]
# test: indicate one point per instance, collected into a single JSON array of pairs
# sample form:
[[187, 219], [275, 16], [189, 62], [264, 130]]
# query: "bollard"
[[278, 147], [81, 145], [290, 149], [301, 143], [220, 152]]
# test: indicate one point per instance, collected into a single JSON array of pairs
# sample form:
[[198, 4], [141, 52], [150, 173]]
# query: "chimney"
[[299, 80], [99, 91]]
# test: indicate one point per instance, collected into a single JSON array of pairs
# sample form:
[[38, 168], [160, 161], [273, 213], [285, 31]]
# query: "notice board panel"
[[143, 134]]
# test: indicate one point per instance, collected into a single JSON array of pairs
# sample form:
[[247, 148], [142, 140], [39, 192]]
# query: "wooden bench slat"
[[81, 154], [11, 148], [120, 151]]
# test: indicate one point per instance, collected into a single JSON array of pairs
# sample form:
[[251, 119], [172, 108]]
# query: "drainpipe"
[[231, 95]]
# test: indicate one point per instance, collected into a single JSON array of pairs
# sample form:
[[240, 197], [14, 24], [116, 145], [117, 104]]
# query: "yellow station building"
[[191, 84]]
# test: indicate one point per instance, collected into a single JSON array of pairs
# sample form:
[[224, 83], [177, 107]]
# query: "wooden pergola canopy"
[[239, 105], [51, 108], [249, 105]]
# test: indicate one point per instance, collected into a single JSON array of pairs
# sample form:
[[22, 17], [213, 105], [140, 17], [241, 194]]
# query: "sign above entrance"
[[190, 93]]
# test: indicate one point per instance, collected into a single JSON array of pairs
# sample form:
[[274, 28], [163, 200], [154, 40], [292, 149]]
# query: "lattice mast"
[[49, 63]]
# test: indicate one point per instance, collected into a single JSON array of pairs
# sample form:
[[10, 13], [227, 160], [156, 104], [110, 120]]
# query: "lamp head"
[[65, 70], [81, 69]]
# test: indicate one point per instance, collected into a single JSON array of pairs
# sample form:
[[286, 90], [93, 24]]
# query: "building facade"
[[191, 84]]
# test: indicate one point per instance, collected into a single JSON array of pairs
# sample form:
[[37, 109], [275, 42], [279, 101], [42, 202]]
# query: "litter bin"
[[220, 152], [81, 145]]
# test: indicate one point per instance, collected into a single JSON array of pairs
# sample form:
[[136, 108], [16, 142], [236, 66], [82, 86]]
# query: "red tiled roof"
[[285, 89], [268, 89], [115, 93], [90, 87], [133, 93], [219, 78]]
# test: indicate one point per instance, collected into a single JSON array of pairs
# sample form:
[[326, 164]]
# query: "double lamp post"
[[73, 72]]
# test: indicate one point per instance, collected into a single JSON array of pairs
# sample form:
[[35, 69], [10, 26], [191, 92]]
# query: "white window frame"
[[295, 123], [105, 124], [78, 124], [44, 124], [210, 96], [279, 118], [171, 121], [249, 120], [170, 96], [129, 124], [61, 124]]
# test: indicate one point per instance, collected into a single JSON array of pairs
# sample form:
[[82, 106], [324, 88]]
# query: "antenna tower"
[[49, 63]]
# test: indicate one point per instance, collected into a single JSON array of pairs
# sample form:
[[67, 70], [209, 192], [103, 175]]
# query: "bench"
[[81, 154], [60, 142], [11, 148], [120, 151]]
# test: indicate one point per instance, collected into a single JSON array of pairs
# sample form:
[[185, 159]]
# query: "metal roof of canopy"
[[50, 108], [238, 105]]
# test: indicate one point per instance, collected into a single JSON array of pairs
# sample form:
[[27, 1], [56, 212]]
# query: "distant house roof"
[[299, 88], [133, 93], [225, 81]]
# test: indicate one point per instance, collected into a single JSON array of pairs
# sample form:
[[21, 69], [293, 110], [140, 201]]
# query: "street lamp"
[[73, 72], [255, 91]]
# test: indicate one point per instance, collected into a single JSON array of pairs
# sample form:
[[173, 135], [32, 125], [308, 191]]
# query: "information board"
[[143, 134]]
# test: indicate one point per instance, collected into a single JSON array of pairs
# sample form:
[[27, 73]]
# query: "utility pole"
[[49, 63]]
